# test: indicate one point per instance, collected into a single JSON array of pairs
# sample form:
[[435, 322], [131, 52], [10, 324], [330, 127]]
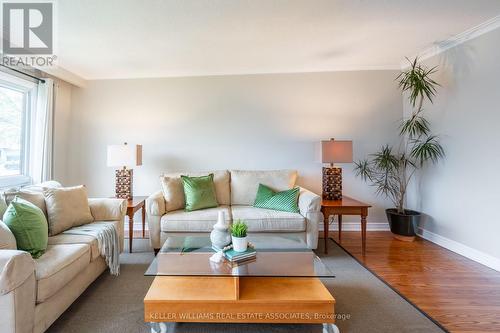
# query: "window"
[[16, 99]]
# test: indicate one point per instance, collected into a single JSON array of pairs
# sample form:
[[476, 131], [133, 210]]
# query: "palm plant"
[[391, 169]]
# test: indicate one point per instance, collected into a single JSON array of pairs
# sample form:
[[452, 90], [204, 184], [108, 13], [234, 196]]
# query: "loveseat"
[[35, 292], [235, 192]]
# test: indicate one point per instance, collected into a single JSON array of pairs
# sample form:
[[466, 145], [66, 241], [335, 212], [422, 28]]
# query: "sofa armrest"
[[108, 209], [17, 292], [155, 209], [15, 267], [308, 202], [310, 208]]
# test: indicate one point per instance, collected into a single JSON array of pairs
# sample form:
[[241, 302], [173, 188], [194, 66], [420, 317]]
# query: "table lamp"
[[334, 151], [124, 156]]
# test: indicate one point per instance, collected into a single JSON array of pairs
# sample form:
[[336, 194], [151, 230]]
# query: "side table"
[[344, 206], [133, 205]]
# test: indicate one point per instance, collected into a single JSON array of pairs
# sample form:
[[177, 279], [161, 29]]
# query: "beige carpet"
[[114, 304]]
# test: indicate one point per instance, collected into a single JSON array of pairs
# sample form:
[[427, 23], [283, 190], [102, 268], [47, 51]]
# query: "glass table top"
[[277, 256]]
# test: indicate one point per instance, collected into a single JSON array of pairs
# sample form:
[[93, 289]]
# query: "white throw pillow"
[[66, 207], [36, 198], [244, 183], [32, 193], [173, 192], [7, 239]]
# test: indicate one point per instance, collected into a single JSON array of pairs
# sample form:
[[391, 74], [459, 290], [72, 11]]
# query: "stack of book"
[[238, 257]]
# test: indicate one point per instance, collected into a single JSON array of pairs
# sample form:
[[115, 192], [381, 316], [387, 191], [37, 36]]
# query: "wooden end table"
[[344, 206], [133, 205]]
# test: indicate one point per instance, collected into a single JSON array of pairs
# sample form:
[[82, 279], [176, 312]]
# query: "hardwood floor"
[[460, 294]]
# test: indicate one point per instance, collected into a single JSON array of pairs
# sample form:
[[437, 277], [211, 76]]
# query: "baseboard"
[[356, 226], [459, 248]]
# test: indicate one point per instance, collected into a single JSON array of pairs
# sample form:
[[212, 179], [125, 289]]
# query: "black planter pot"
[[404, 225]]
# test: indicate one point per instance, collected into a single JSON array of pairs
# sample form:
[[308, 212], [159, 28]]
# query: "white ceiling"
[[104, 39]]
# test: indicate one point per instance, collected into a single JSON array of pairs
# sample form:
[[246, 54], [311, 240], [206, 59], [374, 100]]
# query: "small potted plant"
[[239, 236]]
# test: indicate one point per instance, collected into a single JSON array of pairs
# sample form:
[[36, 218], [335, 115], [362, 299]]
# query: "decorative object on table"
[[239, 236], [220, 235], [126, 157], [391, 169], [217, 257], [233, 264], [239, 256], [334, 151], [286, 201]]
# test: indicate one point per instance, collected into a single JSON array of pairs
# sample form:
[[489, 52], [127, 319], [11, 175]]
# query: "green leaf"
[[363, 170], [428, 149], [385, 159], [417, 81], [239, 228], [415, 126]]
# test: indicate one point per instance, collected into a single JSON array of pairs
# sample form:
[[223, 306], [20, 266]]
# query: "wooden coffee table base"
[[238, 300]]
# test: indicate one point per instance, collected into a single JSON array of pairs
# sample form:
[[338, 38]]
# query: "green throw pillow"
[[29, 226], [199, 192], [285, 201]]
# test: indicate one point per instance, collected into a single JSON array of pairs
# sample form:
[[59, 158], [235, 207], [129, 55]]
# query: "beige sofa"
[[236, 191], [34, 293]]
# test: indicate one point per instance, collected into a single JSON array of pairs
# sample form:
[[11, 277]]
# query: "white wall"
[[62, 124], [250, 122], [461, 195]]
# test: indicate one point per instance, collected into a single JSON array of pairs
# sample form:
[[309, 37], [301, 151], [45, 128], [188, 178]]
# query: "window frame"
[[29, 90]]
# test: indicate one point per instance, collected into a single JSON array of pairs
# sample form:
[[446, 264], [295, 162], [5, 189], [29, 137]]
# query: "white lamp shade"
[[336, 151], [124, 155]]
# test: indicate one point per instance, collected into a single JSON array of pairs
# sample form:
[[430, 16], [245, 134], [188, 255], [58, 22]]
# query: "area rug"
[[364, 302]]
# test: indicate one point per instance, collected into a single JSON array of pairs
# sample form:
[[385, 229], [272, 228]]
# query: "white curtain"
[[41, 147]]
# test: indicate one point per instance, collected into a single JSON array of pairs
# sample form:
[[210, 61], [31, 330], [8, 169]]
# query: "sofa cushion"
[[59, 265], [196, 221], [244, 183], [173, 189], [67, 207], [67, 238], [91, 241], [267, 220]]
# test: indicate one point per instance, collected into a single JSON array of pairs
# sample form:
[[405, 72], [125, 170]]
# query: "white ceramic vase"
[[240, 244], [220, 236]]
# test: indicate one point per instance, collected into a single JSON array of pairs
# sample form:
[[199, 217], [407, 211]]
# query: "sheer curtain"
[[41, 147]]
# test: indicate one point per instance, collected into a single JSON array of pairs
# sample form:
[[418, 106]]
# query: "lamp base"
[[123, 187], [332, 183]]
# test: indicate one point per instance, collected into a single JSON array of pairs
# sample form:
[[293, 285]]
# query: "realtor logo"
[[27, 28]]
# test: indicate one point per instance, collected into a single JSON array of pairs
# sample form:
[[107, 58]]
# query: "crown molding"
[[65, 75], [442, 46]]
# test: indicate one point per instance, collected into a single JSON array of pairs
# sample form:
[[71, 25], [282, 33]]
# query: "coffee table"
[[282, 285]]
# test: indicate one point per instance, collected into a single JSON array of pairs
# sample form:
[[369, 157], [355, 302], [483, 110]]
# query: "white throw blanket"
[[107, 241]]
